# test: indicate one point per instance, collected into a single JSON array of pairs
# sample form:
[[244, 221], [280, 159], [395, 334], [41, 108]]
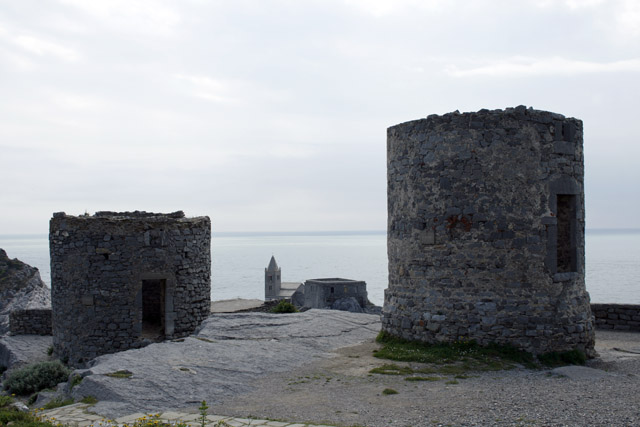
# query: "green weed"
[[57, 403], [120, 374], [424, 378], [91, 400]]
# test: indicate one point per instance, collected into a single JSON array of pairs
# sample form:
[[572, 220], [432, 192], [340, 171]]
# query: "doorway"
[[153, 309]]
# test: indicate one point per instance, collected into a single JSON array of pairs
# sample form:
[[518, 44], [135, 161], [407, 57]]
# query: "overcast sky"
[[272, 115]]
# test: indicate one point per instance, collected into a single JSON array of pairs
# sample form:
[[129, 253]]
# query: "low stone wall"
[[30, 322], [619, 317]]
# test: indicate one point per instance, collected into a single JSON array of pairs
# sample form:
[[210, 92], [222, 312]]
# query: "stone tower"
[[486, 230], [272, 280], [120, 280]]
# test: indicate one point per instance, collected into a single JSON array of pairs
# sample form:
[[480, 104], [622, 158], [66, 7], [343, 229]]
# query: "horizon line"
[[322, 232]]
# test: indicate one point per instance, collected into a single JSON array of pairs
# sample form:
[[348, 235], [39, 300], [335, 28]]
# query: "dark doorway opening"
[[566, 245], [153, 303]]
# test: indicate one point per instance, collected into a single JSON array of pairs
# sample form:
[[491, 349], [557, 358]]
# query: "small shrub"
[[50, 350], [388, 391], [284, 307], [36, 377], [5, 401]]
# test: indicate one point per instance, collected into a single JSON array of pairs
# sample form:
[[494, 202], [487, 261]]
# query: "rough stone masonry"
[[486, 230], [123, 280]]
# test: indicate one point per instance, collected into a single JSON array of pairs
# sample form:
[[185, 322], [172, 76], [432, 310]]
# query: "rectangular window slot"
[[566, 243]]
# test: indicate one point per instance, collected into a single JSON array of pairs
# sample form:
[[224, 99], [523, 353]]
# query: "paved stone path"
[[79, 415]]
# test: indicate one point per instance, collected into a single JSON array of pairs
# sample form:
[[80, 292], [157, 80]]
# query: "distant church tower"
[[272, 280]]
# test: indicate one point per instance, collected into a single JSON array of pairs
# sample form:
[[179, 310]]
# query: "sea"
[[239, 260]]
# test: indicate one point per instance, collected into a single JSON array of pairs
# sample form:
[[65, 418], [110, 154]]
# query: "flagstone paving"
[[79, 415]]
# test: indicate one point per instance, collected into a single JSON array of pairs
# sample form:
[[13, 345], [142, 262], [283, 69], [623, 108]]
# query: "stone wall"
[[30, 322], [109, 271], [486, 230], [619, 317]]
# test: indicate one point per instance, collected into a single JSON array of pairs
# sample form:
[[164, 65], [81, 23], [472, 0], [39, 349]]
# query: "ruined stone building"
[[121, 280], [324, 293], [486, 230]]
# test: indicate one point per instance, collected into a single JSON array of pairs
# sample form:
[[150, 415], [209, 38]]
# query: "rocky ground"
[[20, 288], [340, 390], [223, 359], [315, 367]]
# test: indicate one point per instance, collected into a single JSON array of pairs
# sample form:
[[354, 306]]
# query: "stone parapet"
[[30, 322], [619, 317]]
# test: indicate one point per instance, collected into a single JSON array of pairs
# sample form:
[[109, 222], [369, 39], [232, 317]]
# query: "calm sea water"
[[239, 260]]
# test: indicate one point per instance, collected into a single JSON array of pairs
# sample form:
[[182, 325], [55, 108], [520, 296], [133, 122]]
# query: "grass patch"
[[57, 403], [76, 380], [91, 400], [388, 391], [205, 339], [452, 382], [554, 359], [424, 378], [392, 369], [460, 357], [17, 418], [468, 354], [120, 374]]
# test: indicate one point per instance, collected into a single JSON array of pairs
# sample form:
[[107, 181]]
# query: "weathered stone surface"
[[119, 280], [20, 288], [20, 350], [486, 230], [347, 304], [220, 360], [580, 373]]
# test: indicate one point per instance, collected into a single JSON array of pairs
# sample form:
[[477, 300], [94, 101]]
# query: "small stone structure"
[[121, 280], [30, 322], [274, 288], [619, 317], [323, 293], [486, 230]]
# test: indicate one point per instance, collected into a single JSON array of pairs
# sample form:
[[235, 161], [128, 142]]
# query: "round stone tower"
[[486, 230]]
